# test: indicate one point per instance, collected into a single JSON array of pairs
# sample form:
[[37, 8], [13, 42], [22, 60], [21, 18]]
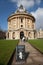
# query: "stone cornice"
[[24, 15], [22, 29]]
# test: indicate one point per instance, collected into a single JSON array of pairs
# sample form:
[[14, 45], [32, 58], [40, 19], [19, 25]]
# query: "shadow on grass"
[[11, 59], [1, 64]]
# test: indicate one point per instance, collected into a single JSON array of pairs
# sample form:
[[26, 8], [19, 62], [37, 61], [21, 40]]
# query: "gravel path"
[[34, 56]]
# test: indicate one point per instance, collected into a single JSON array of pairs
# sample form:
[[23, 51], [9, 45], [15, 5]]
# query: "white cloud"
[[38, 2], [38, 14], [26, 3]]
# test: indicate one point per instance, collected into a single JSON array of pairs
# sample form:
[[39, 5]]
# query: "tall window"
[[13, 35], [21, 20], [32, 25], [29, 35], [8, 34]]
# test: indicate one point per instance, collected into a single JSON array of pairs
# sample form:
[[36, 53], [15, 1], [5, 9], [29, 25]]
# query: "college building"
[[21, 24]]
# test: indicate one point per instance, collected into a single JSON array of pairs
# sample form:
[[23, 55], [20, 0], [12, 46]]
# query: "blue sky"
[[7, 7]]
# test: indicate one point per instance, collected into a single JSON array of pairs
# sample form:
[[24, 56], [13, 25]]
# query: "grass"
[[6, 49], [38, 43]]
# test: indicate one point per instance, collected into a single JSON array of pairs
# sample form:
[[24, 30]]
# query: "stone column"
[[31, 24], [34, 25], [18, 23], [26, 34], [16, 34], [6, 35], [10, 35], [32, 35], [26, 23]]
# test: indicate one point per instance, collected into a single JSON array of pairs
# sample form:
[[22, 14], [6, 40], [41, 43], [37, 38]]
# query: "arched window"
[[21, 34], [29, 35], [21, 20], [13, 35], [8, 34]]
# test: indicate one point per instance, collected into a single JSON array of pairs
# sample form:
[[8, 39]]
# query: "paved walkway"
[[34, 57]]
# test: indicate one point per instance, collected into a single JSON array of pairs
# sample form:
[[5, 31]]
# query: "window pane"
[[21, 20]]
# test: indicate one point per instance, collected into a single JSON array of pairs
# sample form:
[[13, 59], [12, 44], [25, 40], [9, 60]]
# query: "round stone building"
[[20, 24]]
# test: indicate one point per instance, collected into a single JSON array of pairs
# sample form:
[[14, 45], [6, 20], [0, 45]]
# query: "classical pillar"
[[34, 25], [6, 35], [26, 23], [16, 34], [32, 35], [26, 33], [18, 22], [10, 35]]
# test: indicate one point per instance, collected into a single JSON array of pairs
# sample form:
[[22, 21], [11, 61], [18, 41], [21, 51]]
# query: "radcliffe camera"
[[21, 32]]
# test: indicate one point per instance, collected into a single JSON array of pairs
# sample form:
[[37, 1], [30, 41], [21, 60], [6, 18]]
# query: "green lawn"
[[38, 43], [6, 49]]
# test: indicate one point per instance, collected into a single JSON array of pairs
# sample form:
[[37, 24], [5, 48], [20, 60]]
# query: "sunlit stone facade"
[[21, 23]]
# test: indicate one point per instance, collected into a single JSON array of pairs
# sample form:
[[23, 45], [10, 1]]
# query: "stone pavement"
[[34, 56]]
